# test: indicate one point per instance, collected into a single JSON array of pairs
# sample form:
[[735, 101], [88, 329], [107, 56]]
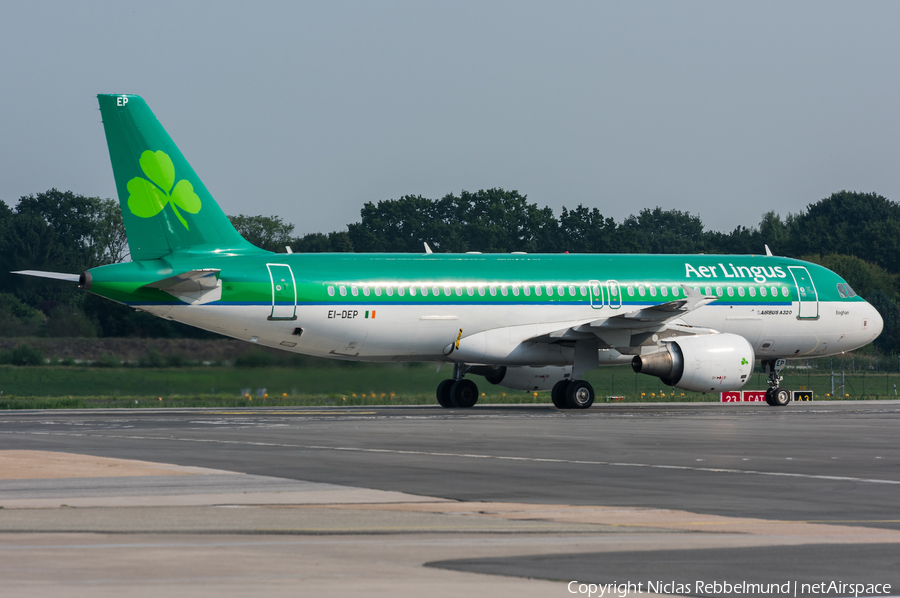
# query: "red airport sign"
[[747, 396], [759, 396]]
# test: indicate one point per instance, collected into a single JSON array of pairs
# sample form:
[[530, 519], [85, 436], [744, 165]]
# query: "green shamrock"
[[147, 199], [744, 361]]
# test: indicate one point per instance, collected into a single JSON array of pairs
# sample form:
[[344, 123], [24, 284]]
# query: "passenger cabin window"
[[762, 291], [741, 291], [731, 291], [537, 290], [354, 291], [675, 291], [366, 291], [708, 291], [504, 290], [412, 291], [447, 291], [583, 290], [424, 291], [378, 291], [401, 291], [630, 291], [641, 291], [752, 291], [653, 291], [493, 291], [481, 291], [784, 292], [436, 291], [515, 291], [331, 291], [527, 290], [343, 291], [719, 291], [664, 291], [470, 291], [389, 291]]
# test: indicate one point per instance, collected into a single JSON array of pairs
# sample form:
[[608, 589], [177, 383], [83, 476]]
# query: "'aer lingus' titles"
[[759, 274]]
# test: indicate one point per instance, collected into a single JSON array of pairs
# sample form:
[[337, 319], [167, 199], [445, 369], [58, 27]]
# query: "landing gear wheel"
[[443, 393], [780, 397], [558, 394], [579, 395], [769, 399], [464, 394]]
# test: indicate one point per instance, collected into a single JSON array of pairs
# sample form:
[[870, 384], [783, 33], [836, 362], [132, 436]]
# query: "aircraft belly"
[[410, 332]]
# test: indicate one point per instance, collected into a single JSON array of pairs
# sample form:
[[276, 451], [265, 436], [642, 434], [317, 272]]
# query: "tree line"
[[854, 234]]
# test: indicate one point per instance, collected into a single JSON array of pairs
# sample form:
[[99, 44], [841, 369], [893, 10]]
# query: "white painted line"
[[478, 456]]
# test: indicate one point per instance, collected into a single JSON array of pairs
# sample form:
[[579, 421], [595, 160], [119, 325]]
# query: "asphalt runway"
[[814, 474]]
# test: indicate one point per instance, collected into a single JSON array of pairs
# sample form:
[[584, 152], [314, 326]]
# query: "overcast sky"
[[307, 110]]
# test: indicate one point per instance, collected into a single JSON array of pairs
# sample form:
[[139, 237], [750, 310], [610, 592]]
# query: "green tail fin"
[[164, 204]]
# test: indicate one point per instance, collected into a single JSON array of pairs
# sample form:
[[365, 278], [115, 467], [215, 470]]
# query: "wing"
[[628, 332]]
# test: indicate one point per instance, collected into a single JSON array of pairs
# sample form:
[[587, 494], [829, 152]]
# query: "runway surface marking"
[[316, 447], [257, 413]]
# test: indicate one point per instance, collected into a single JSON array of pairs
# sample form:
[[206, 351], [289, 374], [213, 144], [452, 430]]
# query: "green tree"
[[266, 232], [584, 230], [492, 220], [321, 243], [659, 231], [866, 225]]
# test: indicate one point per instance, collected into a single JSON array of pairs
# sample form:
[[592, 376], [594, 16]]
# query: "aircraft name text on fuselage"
[[759, 274]]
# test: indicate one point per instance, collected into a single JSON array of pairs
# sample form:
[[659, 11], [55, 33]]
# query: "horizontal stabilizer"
[[53, 275], [195, 287]]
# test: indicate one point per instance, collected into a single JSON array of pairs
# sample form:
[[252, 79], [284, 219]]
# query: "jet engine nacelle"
[[529, 378], [704, 363]]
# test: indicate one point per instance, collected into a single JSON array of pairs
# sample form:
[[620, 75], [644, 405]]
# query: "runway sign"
[[803, 395], [747, 396]]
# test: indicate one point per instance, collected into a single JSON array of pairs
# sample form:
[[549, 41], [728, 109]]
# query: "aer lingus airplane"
[[527, 322]]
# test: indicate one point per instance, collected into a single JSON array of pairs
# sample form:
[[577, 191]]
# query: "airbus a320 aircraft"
[[526, 322]]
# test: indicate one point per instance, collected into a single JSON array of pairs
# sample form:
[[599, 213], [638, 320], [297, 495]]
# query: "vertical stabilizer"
[[164, 204]]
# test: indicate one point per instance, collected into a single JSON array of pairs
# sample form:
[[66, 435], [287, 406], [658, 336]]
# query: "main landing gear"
[[775, 395], [457, 391], [572, 394]]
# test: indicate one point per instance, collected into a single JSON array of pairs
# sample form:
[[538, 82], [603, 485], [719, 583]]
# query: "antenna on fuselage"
[[768, 251], [428, 250]]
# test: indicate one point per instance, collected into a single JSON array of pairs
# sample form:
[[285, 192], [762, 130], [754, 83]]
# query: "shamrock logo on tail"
[[147, 199]]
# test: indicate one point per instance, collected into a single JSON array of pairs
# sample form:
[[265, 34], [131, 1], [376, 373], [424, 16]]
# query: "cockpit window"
[[841, 291], [850, 291]]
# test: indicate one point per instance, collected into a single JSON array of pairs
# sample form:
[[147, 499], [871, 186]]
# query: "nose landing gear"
[[775, 395]]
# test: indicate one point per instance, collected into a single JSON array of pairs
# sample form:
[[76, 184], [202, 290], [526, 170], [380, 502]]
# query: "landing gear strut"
[[457, 392], [775, 395]]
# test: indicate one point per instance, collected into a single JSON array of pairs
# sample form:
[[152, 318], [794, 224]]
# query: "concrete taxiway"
[[392, 501]]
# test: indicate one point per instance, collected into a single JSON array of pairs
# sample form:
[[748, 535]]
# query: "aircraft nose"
[[875, 322]]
